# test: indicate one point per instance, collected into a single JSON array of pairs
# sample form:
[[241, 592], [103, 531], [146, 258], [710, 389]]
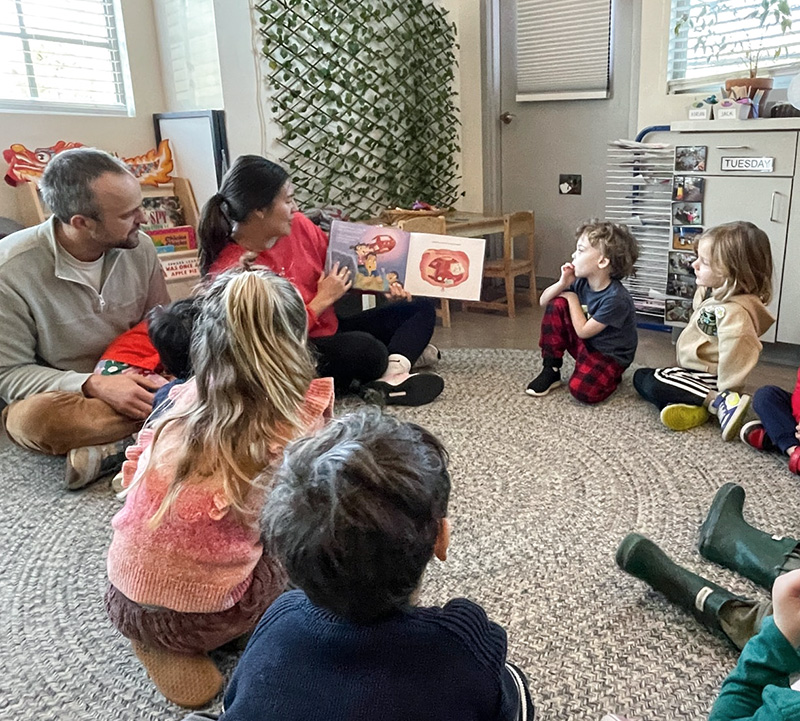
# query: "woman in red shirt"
[[254, 211]]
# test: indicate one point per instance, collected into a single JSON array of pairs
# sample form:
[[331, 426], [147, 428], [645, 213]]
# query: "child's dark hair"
[[355, 511], [170, 330], [615, 242]]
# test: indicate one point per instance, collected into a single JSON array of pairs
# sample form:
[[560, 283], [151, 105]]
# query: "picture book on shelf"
[[180, 265], [439, 266], [170, 240], [162, 211]]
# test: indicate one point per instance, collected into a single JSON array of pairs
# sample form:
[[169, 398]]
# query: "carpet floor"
[[543, 491]]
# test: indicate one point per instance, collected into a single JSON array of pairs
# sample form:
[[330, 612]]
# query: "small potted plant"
[[708, 23]]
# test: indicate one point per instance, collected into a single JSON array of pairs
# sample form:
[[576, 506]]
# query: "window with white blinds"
[[190, 60], [727, 49], [63, 57], [563, 49]]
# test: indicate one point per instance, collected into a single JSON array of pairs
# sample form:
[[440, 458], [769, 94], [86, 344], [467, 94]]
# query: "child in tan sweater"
[[720, 345]]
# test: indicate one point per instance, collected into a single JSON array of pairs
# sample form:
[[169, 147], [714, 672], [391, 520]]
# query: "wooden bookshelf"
[[33, 211]]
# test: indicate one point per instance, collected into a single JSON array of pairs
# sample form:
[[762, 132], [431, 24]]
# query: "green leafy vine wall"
[[363, 91]]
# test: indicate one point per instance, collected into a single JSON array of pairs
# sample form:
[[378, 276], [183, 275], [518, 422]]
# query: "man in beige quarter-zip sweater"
[[68, 287]]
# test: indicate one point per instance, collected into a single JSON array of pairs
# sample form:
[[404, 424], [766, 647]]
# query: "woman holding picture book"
[[254, 212]]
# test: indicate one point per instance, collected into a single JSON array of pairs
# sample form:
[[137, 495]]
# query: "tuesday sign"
[[760, 165]]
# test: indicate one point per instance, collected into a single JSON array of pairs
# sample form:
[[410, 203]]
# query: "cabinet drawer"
[[743, 144]]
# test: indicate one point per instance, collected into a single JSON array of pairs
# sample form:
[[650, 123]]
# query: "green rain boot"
[[640, 557], [727, 539]]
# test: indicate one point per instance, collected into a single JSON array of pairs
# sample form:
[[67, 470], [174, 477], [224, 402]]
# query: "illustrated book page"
[[439, 266]]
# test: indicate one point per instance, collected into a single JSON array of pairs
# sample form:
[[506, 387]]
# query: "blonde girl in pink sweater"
[[186, 566]]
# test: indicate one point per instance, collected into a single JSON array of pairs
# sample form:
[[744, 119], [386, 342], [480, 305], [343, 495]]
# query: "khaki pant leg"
[[56, 422], [741, 620]]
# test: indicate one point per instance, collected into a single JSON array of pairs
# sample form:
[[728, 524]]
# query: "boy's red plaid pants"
[[596, 375]]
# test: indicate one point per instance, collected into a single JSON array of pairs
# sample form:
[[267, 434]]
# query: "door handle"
[[507, 117], [775, 195], [733, 147]]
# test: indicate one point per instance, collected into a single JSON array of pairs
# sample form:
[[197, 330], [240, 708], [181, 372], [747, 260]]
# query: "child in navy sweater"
[[355, 515]]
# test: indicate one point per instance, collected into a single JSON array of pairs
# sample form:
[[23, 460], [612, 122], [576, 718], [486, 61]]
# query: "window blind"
[[188, 42], [563, 49], [63, 57], [695, 67]]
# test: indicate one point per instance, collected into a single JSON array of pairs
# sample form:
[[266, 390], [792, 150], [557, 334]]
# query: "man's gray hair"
[[68, 177]]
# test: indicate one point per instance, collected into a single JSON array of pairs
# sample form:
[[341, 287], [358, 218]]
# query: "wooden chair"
[[437, 225], [515, 225]]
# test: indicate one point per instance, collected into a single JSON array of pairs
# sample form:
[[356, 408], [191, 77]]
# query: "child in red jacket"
[[779, 424], [157, 347]]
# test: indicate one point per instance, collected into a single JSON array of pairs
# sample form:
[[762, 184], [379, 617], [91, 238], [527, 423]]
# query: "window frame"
[[677, 56], [116, 44]]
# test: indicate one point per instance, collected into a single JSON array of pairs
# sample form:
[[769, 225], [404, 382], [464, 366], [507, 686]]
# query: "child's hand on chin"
[[568, 274], [786, 601]]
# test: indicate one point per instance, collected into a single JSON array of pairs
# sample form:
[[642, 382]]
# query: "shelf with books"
[[171, 222]]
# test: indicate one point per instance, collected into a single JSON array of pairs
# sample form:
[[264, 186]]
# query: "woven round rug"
[[543, 491]]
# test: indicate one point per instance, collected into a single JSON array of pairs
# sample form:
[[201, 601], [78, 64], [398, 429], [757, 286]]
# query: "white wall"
[[243, 89], [466, 16], [126, 136], [656, 107], [187, 42]]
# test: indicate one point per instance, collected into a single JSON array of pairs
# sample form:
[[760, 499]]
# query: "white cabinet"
[[763, 201], [771, 200], [789, 306]]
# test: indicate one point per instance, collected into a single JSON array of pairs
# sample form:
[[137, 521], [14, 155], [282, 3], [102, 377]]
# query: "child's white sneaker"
[[90, 463], [730, 408], [429, 359]]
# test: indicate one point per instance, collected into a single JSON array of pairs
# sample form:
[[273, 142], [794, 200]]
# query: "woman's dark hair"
[[170, 330], [355, 511], [251, 183]]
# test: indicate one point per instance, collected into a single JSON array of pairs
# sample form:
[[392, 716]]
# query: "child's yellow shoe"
[[682, 416]]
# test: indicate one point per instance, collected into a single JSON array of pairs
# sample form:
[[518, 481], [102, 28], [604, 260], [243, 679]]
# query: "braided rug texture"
[[543, 491]]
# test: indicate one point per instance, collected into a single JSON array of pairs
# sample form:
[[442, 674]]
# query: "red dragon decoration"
[[152, 168]]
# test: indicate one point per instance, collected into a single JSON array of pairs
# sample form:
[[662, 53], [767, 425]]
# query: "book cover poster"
[[440, 266], [180, 265], [376, 255], [162, 211], [170, 240]]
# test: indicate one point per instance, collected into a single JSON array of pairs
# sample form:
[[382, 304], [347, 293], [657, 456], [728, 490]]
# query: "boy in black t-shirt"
[[590, 314]]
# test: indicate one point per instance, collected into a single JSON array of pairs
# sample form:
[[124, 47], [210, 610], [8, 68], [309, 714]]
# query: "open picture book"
[[439, 266]]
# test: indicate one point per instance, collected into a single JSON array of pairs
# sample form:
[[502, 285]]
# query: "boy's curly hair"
[[615, 242]]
